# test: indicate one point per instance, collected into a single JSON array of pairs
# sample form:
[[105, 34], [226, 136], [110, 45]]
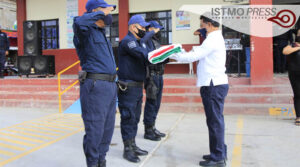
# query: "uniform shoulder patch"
[[131, 44]]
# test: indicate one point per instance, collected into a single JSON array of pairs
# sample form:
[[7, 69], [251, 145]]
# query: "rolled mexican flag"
[[161, 54]]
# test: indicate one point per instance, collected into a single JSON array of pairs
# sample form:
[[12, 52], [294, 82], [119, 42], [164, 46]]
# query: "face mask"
[[108, 20], [157, 36], [141, 33], [297, 39]]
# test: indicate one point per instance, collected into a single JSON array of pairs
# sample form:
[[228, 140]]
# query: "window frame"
[[44, 37], [167, 17], [111, 36]]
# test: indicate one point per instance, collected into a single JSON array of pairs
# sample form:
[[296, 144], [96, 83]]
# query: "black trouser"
[[294, 77], [280, 57], [2, 62], [152, 105], [213, 98]]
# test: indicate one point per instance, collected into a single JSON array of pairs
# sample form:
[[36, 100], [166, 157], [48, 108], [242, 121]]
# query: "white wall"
[[53, 9], [50, 9], [114, 2]]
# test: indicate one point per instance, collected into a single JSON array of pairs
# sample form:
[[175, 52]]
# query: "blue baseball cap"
[[93, 4], [155, 24], [138, 19]]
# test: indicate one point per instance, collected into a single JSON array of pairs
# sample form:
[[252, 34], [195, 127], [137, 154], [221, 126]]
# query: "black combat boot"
[[102, 163], [150, 134], [1, 75], [211, 163], [207, 157], [129, 153], [137, 150], [158, 133]]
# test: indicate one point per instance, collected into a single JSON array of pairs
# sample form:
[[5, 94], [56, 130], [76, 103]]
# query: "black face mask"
[[108, 20], [157, 36], [141, 33], [297, 39]]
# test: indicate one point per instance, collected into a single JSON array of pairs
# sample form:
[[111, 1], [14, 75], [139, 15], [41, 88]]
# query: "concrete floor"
[[258, 141]]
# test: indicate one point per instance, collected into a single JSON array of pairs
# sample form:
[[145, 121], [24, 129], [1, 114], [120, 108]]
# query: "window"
[[164, 18], [112, 32], [50, 34]]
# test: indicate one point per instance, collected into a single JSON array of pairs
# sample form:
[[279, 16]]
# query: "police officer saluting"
[[153, 85], [4, 47], [98, 90], [132, 72]]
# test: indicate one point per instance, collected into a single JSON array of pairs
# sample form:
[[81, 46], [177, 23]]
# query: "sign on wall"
[[183, 20], [72, 11]]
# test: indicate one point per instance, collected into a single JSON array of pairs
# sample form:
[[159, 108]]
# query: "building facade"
[[58, 14], [8, 14]]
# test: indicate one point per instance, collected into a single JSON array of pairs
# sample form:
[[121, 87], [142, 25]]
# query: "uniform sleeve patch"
[[131, 44]]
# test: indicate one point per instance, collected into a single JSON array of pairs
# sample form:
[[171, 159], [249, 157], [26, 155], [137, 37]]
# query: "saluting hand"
[[107, 10], [156, 30]]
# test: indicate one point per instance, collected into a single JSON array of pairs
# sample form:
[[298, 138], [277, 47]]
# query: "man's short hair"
[[201, 17], [208, 20]]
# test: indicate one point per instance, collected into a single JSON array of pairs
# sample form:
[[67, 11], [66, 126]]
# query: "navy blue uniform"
[[132, 60], [4, 46], [97, 97], [152, 105]]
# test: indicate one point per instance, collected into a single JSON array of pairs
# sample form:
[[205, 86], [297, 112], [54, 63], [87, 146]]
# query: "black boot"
[[129, 153], [207, 157], [137, 150], [102, 163], [150, 134], [297, 106], [211, 163], [158, 133]]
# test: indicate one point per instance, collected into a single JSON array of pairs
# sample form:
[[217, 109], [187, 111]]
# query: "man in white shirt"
[[214, 88]]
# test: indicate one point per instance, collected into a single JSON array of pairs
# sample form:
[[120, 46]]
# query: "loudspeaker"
[[36, 65], [44, 65], [32, 38], [24, 65]]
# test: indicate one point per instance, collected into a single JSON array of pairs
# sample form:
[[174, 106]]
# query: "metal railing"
[[60, 92]]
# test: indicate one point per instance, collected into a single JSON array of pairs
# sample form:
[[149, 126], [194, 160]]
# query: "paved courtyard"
[[40, 138]]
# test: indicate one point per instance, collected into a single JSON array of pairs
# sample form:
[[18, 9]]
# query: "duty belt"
[[124, 85], [104, 77], [156, 73]]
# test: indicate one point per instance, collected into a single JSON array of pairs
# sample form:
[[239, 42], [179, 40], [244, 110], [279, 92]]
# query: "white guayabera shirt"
[[212, 58]]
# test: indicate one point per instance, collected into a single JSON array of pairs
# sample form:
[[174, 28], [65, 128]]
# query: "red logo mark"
[[285, 18]]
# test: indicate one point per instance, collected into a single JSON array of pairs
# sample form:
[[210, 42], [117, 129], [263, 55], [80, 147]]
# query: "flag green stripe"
[[160, 58]]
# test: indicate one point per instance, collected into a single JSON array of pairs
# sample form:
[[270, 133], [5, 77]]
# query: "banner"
[[183, 20], [72, 11]]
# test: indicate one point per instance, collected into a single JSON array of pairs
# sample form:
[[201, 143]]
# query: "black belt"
[[156, 73], [131, 83], [135, 84], [124, 85], [104, 77]]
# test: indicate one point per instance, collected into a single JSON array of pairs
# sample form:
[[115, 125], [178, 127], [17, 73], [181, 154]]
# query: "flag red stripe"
[[162, 51]]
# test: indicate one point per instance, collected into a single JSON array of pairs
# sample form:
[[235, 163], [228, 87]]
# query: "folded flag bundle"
[[161, 54]]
